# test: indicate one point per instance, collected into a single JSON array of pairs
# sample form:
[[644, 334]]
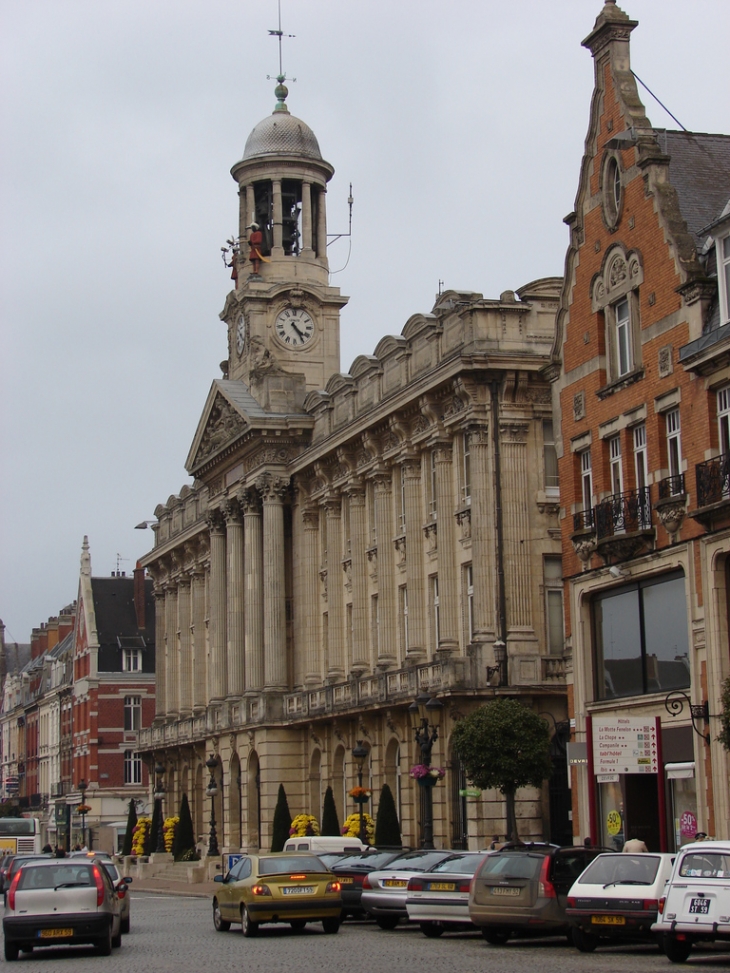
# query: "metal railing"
[[624, 513], [671, 486], [713, 480], [584, 520]]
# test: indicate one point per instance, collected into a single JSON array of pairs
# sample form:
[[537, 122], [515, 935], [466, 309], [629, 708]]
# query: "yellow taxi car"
[[284, 887]]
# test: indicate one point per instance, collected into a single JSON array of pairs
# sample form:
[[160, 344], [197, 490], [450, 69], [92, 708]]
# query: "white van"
[[696, 901], [324, 843]]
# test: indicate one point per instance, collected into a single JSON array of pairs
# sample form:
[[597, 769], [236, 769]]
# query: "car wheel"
[[11, 951], [387, 922], [104, 945], [432, 929], [298, 924], [584, 941], [221, 924], [331, 926], [677, 950], [117, 940], [125, 925], [248, 927], [495, 937]]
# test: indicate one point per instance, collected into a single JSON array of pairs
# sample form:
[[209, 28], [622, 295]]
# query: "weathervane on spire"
[[281, 91]]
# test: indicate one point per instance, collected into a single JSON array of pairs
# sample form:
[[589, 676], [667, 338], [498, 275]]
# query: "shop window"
[[641, 642]]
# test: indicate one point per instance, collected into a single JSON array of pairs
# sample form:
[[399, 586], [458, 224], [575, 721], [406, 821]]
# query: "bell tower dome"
[[283, 316]]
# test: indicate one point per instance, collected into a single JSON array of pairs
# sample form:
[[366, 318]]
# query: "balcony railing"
[[713, 480], [584, 520], [671, 486], [624, 513]]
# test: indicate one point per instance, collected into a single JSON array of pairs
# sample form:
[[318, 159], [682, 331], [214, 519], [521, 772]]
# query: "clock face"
[[241, 333], [294, 327]]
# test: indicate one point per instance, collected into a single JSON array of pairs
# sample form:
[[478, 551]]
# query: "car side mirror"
[[217, 878], [127, 881]]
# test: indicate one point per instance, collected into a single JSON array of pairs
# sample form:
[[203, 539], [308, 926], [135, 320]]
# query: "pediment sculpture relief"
[[224, 425]]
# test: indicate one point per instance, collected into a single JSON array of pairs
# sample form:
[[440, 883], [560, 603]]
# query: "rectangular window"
[[403, 619], [674, 446], [640, 461], [432, 492], [624, 361], [614, 445], [132, 660], [553, 579], [723, 419], [469, 591], [641, 639], [132, 768], [466, 470], [550, 455], [435, 620], [132, 713], [586, 479], [723, 277]]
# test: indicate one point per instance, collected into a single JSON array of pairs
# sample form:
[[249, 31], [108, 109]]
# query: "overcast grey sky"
[[460, 125]]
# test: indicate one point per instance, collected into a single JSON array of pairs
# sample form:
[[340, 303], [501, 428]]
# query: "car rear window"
[[706, 864], [370, 862], [295, 863], [621, 869], [53, 876], [512, 865], [418, 862], [463, 864]]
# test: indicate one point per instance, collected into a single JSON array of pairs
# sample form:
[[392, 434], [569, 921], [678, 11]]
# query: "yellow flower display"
[[168, 831], [139, 835], [304, 824], [351, 827]]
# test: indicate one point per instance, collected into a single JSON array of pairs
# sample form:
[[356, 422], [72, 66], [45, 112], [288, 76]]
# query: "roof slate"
[[699, 169], [114, 609]]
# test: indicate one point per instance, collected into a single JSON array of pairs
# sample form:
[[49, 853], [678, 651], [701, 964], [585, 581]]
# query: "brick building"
[[642, 395]]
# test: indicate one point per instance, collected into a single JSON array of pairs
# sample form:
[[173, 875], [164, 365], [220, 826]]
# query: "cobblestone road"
[[172, 934]]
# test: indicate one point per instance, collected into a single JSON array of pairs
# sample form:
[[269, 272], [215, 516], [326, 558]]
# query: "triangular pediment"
[[226, 417]]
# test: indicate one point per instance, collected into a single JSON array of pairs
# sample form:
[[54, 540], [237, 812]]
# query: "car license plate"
[[608, 920], [442, 886], [699, 907], [394, 883], [55, 933], [298, 890], [345, 881], [504, 890]]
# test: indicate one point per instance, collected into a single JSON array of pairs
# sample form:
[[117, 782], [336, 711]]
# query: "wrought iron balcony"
[[624, 513], [671, 486], [713, 480], [584, 520]]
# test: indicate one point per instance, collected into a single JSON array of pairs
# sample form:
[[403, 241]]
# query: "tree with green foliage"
[[724, 736], [184, 840], [506, 746], [330, 821], [150, 844], [282, 821], [387, 829], [131, 822]]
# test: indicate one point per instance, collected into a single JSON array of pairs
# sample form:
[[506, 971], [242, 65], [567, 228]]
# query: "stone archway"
[[253, 796], [315, 785], [393, 773], [339, 783], [197, 806], [234, 801]]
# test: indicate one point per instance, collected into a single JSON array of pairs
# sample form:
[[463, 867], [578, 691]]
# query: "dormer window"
[[723, 276]]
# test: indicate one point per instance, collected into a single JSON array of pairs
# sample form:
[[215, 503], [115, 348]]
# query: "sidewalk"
[[161, 886]]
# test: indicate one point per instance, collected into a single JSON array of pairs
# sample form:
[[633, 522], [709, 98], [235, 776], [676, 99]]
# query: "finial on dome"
[[281, 91]]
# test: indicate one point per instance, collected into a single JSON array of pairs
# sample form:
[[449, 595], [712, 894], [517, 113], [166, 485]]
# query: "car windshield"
[[54, 877], [706, 864], [621, 869], [416, 862], [290, 863], [462, 864], [511, 865]]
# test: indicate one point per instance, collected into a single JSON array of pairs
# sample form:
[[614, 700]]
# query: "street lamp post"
[[211, 763], [159, 797], [359, 754], [426, 713], [82, 789]]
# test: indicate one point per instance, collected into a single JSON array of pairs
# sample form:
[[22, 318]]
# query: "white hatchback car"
[[696, 901], [617, 897]]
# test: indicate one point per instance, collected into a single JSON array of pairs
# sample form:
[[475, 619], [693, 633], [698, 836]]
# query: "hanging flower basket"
[[427, 776], [83, 809], [360, 795]]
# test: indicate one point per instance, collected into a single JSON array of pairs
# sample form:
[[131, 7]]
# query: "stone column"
[[217, 678], [322, 226], [359, 568], [335, 602], [273, 491], [483, 531], [235, 646], [200, 642], [250, 215], [172, 650], [516, 525], [306, 216], [186, 658], [278, 229], [448, 587], [387, 655], [309, 632], [416, 649], [253, 590], [160, 656]]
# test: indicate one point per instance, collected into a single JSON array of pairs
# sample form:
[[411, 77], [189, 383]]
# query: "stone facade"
[[354, 539]]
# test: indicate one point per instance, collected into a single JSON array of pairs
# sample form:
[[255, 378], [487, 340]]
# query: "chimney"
[[139, 596]]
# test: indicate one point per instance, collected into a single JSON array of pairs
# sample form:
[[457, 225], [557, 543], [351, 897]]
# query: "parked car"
[[695, 906], [351, 872], [384, 892], [523, 890], [15, 862], [617, 897], [121, 885], [321, 844], [439, 899], [61, 902], [291, 887]]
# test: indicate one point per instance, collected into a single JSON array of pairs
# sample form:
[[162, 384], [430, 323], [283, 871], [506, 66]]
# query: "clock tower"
[[283, 317]]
